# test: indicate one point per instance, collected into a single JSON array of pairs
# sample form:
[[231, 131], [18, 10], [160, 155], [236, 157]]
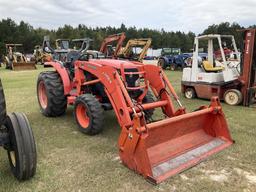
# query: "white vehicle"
[[218, 74]]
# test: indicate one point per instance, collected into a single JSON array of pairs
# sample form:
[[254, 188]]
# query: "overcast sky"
[[172, 15]]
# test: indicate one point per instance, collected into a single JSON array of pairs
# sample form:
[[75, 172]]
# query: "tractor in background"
[[130, 50], [231, 77], [15, 59], [107, 47], [39, 56], [61, 44], [172, 58], [63, 51]]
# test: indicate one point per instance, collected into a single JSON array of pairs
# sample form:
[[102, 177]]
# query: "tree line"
[[12, 32]]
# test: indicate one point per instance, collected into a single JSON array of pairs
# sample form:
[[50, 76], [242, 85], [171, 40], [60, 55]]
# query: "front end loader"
[[16, 60], [156, 148]]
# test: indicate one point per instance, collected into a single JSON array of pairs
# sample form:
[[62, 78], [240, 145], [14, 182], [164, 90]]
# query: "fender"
[[63, 74]]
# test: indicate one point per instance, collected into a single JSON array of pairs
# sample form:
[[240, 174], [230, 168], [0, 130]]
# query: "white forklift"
[[219, 74]]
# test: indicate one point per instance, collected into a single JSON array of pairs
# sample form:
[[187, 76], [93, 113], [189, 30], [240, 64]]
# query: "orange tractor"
[[154, 148]]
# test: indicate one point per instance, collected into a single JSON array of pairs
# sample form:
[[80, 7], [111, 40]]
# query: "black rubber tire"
[[93, 110], [172, 67], [57, 101], [237, 93], [22, 145], [149, 98], [162, 63], [2, 105], [192, 92]]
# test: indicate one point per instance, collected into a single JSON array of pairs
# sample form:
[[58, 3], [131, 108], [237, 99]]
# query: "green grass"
[[71, 161]]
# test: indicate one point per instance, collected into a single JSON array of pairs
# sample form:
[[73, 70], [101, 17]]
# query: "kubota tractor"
[[155, 148], [17, 139]]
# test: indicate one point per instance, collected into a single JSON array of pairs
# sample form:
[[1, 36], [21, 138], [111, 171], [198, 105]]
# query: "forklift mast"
[[248, 67]]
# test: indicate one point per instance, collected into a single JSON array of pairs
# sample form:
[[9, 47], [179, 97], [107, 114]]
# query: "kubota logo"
[[92, 66]]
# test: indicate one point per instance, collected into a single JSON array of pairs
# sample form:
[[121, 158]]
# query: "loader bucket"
[[175, 144], [17, 66]]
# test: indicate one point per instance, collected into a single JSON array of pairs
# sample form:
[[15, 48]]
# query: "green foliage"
[[226, 28], [24, 33]]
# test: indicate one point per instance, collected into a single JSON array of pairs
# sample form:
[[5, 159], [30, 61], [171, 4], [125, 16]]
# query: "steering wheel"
[[72, 56], [238, 68], [86, 56], [228, 64]]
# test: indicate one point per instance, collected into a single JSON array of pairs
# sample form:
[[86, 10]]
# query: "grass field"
[[71, 161]]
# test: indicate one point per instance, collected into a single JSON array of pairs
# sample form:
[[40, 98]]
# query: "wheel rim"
[[13, 158], [42, 95], [189, 94], [81, 115], [231, 98]]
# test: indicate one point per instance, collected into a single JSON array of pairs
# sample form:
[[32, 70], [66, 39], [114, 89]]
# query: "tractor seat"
[[208, 67]]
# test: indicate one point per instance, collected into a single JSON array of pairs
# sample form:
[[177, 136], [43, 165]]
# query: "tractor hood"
[[116, 63]]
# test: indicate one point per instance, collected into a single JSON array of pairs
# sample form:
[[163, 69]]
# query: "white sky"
[[172, 15]]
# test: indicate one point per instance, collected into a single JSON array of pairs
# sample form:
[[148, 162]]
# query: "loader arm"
[[116, 88], [119, 38]]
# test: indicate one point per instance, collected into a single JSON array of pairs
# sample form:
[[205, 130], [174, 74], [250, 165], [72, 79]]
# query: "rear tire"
[[190, 93], [22, 149], [88, 114], [233, 97], [162, 63], [2, 105], [50, 94]]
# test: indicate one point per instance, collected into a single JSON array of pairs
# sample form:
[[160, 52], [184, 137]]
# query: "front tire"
[[149, 98], [190, 93], [88, 114], [233, 97], [22, 149], [2, 105], [50, 94]]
